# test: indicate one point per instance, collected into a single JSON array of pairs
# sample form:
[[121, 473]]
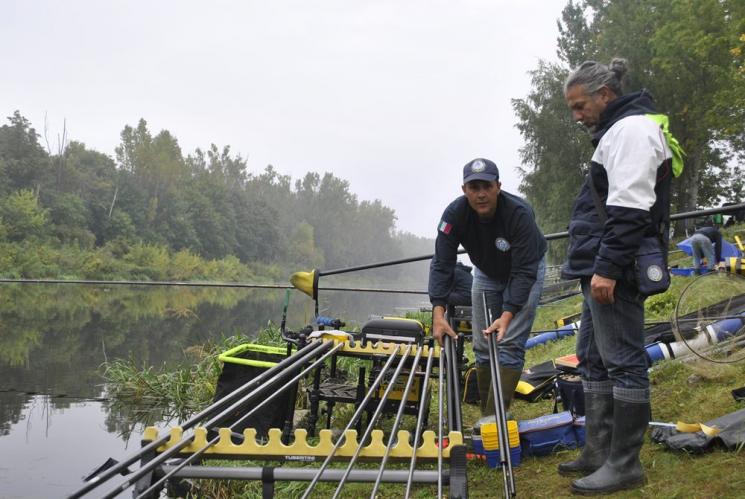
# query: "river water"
[[55, 424]]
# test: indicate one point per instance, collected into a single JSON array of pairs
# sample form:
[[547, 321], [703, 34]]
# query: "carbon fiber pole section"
[[397, 420], [286, 386], [311, 351], [374, 418], [300, 474], [419, 422], [352, 421], [499, 412]]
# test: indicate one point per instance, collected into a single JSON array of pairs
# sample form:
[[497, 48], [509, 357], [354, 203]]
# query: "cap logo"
[[478, 166]]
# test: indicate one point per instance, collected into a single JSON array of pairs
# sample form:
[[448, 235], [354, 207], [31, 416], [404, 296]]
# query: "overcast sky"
[[393, 96]]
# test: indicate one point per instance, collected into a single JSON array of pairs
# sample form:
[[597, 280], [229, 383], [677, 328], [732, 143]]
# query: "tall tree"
[[687, 53], [23, 162]]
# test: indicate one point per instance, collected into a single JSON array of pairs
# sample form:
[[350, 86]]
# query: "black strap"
[[267, 482]]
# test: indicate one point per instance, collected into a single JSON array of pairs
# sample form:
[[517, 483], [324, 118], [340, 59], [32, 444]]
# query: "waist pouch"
[[650, 271]]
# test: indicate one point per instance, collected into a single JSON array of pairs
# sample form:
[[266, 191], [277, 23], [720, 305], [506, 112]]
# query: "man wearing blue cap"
[[500, 235]]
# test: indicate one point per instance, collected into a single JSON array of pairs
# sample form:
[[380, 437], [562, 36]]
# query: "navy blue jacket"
[[507, 248], [631, 169]]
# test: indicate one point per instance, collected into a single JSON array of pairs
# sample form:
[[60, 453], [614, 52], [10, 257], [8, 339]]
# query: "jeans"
[[701, 246], [610, 344], [512, 347]]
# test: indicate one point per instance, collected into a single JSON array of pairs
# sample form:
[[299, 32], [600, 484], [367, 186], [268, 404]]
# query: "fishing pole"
[[313, 349], [440, 388], [205, 284], [549, 237], [456, 422], [397, 420], [419, 428], [152, 464], [373, 419], [499, 411], [286, 386], [352, 422]]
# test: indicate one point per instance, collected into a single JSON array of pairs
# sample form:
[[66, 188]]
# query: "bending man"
[[706, 242], [507, 248]]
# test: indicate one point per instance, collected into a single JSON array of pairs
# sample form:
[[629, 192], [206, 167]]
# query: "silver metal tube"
[[454, 379], [499, 411], [261, 404], [352, 421], [373, 419], [300, 355], [419, 423], [441, 368], [300, 474], [397, 421]]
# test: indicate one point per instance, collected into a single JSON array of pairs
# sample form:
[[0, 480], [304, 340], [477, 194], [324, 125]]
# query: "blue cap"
[[480, 169]]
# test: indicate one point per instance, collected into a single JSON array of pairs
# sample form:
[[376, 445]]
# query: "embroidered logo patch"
[[478, 166], [445, 227], [654, 273], [502, 244]]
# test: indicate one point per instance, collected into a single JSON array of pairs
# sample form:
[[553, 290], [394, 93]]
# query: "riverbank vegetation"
[[153, 213]]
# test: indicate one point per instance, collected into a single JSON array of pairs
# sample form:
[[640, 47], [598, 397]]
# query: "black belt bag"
[[650, 266], [650, 269]]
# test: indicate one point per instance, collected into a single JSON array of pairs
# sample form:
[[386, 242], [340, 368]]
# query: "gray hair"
[[595, 76]]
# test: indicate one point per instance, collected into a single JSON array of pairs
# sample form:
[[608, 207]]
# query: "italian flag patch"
[[445, 227]]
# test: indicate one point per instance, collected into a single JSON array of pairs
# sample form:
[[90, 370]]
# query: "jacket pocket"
[[584, 243]]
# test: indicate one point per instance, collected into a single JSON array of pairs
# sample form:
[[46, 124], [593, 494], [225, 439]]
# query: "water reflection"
[[54, 339]]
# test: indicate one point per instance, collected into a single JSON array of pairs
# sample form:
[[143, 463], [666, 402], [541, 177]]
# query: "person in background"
[[629, 179], [505, 245], [460, 294], [706, 242]]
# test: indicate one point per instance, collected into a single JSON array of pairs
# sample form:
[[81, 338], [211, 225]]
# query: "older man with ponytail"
[[625, 198]]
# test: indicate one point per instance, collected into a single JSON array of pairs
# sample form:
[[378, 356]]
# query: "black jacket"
[[507, 248], [631, 169]]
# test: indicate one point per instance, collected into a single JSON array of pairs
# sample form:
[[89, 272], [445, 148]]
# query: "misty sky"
[[393, 96]]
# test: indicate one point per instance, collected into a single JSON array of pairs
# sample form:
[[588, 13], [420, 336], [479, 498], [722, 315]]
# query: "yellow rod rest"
[[274, 448]]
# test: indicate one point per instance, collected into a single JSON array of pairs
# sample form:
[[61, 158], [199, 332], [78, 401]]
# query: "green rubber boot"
[[483, 380], [509, 377]]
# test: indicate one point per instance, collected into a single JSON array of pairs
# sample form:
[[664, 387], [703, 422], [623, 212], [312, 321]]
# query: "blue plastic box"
[[492, 456], [546, 434]]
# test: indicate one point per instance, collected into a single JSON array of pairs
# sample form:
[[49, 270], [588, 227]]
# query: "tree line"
[[690, 54], [168, 215]]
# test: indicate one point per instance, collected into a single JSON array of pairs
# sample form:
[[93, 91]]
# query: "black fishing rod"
[[285, 386], [352, 422], [499, 411], [419, 428], [313, 276], [205, 284], [397, 421], [371, 423], [455, 417], [311, 351], [152, 464], [440, 389], [549, 237]]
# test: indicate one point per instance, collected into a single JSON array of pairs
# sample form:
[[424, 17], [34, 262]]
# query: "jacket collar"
[[635, 103]]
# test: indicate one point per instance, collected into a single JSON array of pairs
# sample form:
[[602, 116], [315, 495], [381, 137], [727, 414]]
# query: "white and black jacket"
[[631, 169]]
